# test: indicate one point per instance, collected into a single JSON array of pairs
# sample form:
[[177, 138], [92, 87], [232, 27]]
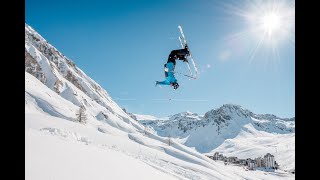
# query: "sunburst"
[[269, 22]]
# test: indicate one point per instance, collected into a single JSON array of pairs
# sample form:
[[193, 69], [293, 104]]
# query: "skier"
[[179, 54]]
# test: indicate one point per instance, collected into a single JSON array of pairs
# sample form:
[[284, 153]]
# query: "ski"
[[183, 43], [188, 64]]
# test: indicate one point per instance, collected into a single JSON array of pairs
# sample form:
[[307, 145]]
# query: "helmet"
[[175, 85]]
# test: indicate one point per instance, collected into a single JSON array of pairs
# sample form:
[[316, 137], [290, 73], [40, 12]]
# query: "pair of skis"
[[183, 42]]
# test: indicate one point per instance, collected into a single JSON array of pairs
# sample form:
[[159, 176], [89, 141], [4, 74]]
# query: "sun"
[[271, 23], [267, 24]]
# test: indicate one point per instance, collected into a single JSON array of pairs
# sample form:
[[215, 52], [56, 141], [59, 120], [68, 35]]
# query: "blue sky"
[[123, 45]]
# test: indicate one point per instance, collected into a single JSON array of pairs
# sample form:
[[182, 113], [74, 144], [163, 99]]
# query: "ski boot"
[[175, 85], [187, 48]]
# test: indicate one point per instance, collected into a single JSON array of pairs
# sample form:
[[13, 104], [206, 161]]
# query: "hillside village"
[[265, 163]]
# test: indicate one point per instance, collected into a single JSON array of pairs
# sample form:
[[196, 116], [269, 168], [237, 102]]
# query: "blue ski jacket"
[[170, 79]]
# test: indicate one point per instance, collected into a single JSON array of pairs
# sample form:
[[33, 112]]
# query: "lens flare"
[[268, 23]]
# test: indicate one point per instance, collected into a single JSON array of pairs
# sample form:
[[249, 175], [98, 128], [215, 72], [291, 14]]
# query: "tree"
[[146, 129], [169, 140], [81, 115]]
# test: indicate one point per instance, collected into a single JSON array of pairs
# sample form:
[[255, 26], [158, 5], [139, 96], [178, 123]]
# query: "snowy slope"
[[112, 145], [61, 75], [145, 117], [230, 126], [251, 143], [48, 157], [59, 148]]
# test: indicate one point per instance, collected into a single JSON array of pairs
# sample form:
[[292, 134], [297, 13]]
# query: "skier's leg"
[[182, 52], [179, 54], [162, 83], [166, 74], [172, 57], [165, 71]]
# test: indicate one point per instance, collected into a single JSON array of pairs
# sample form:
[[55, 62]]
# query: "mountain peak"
[[185, 115], [233, 107], [227, 112], [208, 132]]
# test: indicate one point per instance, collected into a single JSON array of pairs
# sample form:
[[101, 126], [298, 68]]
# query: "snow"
[[258, 143], [234, 131], [75, 85], [44, 63], [111, 145], [48, 157], [145, 117], [59, 148]]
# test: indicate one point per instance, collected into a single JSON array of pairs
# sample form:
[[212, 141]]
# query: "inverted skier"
[[169, 67]]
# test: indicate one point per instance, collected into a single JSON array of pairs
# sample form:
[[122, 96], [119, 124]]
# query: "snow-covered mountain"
[[61, 75], [140, 117], [112, 144], [226, 128]]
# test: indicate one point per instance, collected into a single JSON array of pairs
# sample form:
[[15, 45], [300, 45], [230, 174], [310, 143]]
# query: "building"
[[221, 157], [259, 162], [269, 161], [251, 164], [216, 156], [232, 159], [276, 165], [263, 163], [242, 162]]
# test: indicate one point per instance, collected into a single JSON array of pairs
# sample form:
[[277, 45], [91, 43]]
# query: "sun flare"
[[269, 24], [272, 21]]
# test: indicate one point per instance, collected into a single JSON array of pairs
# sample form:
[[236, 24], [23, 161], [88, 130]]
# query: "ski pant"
[[177, 54]]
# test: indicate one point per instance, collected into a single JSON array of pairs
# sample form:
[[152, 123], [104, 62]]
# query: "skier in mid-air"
[[179, 54]]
